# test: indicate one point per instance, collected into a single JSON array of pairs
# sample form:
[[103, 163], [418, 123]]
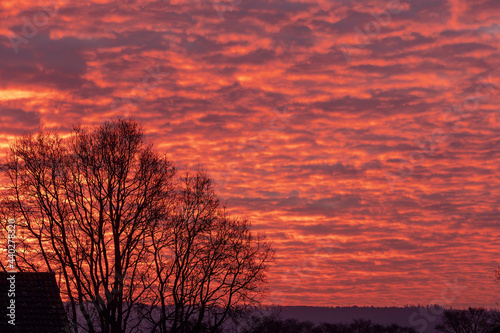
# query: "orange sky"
[[362, 137]]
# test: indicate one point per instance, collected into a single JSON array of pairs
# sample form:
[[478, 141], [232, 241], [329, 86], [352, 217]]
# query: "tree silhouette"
[[132, 243], [208, 265], [472, 320]]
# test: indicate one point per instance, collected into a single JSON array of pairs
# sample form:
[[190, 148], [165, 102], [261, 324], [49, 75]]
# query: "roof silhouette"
[[38, 305]]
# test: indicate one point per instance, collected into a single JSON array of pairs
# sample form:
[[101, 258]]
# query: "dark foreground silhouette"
[[473, 320]]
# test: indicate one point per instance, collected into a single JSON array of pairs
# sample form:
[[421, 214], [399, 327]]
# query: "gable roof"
[[38, 305]]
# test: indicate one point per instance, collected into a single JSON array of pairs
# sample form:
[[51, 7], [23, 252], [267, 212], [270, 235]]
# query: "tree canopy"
[[138, 245]]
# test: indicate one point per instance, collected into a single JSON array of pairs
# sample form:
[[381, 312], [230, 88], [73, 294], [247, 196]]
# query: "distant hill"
[[422, 319]]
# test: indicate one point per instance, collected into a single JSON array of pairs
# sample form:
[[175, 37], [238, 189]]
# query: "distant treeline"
[[273, 325], [471, 320]]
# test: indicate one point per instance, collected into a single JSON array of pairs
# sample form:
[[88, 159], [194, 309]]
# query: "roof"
[[38, 305]]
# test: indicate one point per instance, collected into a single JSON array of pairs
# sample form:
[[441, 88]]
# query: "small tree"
[[209, 266], [108, 214], [472, 320]]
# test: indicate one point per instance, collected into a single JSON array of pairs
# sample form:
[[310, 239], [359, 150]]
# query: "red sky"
[[362, 137]]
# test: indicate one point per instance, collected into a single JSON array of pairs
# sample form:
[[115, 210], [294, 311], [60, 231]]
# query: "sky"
[[361, 137]]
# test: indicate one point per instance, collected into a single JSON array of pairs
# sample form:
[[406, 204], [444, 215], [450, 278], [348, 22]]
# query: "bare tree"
[[209, 266], [108, 214], [472, 320]]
